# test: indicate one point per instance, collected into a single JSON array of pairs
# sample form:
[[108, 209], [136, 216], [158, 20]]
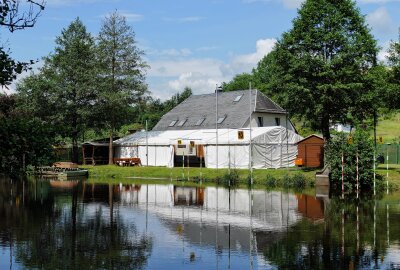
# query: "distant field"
[[389, 128]]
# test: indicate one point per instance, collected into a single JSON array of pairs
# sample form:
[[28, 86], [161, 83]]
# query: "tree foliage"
[[393, 93], [14, 17], [63, 92], [360, 145], [319, 65], [240, 82], [24, 141], [121, 73]]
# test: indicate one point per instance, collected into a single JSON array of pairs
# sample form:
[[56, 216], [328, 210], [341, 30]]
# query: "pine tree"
[[122, 73]]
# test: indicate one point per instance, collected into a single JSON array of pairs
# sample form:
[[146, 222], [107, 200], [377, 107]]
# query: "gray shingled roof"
[[203, 106]]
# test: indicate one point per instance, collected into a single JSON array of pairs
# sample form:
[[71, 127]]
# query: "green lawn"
[[389, 128], [162, 173]]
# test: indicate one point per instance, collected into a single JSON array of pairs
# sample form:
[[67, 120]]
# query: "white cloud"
[[196, 81], [380, 21], [170, 76], [169, 52], [292, 4], [383, 53], [132, 17], [174, 68], [244, 63]]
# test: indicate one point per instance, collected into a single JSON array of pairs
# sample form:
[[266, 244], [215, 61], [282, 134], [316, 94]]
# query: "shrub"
[[287, 181], [231, 178], [362, 145], [299, 181], [270, 181]]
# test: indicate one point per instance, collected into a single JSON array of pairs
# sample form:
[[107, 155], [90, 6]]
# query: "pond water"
[[79, 225]]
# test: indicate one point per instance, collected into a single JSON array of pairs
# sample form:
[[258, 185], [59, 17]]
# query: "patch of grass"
[[388, 127], [105, 173]]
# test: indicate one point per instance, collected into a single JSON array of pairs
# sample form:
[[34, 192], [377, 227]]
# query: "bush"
[[270, 181], [287, 181], [362, 145], [299, 181], [230, 179]]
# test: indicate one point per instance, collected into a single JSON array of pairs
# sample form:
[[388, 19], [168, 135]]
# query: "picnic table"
[[128, 161]]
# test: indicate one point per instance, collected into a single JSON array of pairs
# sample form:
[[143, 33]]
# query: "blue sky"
[[195, 43]]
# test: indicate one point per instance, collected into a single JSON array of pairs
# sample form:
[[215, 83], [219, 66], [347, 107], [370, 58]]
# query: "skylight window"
[[200, 121], [182, 122], [238, 98], [172, 123], [221, 119]]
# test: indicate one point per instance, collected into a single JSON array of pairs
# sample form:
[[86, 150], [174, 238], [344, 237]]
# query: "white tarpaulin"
[[271, 147]]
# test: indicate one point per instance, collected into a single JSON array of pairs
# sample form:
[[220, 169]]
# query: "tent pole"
[[216, 126], [287, 142], [147, 147], [250, 152]]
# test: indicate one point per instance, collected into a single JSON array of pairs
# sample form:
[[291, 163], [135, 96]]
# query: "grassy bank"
[[260, 177], [394, 173], [388, 128]]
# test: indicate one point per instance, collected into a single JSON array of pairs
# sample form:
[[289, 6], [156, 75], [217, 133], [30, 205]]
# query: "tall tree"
[[320, 64], [121, 73], [64, 88], [393, 93]]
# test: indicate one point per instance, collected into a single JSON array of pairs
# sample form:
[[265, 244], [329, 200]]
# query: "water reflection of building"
[[234, 220], [188, 196], [311, 207], [270, 210]]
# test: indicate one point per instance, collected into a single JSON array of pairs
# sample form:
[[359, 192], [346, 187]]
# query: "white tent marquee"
[[270, 147]]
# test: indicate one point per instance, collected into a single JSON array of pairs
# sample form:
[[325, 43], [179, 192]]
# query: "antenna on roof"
[[219, 89]]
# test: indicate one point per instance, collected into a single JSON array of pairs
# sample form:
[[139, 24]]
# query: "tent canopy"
[[259, 135], [271, 147]]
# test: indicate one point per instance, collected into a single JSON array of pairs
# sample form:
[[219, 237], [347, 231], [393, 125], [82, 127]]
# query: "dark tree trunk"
[[74, 157], [325, 128], [111, 150]]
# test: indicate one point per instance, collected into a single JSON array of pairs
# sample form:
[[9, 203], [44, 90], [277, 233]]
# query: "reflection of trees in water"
[[352, 236], [64, 234]]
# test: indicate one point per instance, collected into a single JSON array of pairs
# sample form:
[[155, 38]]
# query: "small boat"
[[61, 172], [63, 184]]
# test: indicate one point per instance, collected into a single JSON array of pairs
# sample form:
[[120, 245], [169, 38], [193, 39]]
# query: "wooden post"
[[342, 175], [83, 155], [93, 161], [357, 176]]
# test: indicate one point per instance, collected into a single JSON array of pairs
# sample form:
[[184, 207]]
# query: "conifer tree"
[[121, 75]]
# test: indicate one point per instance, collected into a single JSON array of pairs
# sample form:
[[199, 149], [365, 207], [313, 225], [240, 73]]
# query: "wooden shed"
[[311, 152]]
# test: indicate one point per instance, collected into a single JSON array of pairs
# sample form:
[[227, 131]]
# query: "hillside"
[[389, 128]]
